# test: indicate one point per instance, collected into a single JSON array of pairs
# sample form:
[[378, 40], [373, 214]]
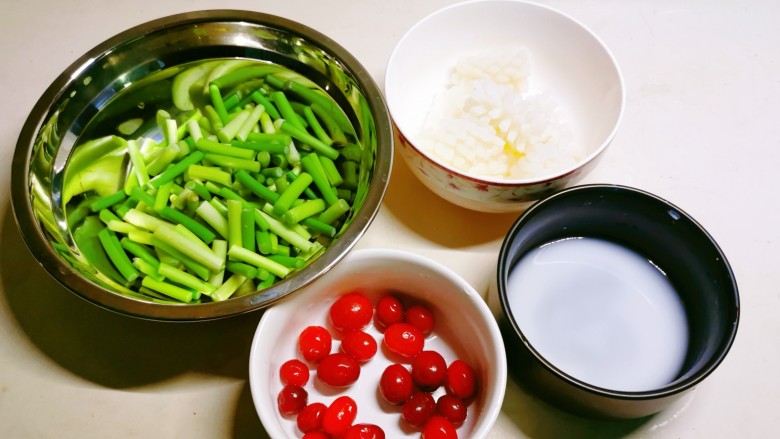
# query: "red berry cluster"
[[404, 335]]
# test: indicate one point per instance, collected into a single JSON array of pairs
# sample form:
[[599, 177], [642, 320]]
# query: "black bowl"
[[667, 236]]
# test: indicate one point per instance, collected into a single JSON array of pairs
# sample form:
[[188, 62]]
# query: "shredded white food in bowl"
[[486, 123]]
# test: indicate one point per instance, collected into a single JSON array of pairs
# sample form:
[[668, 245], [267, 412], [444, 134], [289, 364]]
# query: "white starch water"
[[601, 313]]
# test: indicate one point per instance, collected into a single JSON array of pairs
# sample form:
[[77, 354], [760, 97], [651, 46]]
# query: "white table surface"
[[701, 128]]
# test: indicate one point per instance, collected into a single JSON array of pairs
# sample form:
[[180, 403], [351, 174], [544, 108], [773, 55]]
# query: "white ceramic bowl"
[[465, 329], [567, 61]]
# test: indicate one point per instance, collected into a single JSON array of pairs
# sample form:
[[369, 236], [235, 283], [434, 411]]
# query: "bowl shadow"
[[114, 350], [246, 424], [436, 219], [539, 420]]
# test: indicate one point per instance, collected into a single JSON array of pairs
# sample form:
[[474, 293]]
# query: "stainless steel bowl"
[[83, 89]]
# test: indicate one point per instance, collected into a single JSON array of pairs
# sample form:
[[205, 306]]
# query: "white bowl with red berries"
[[387, 344]]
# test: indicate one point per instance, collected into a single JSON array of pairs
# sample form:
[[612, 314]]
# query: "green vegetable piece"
[[171, 131], [233, 163], [258, 189], [238, 253], [260, 222], [317, 98], [267, 124], [352, 152], [199, 189], [86, 154], [247, 287], [147, 269], [122, 227], [197, 250], [334, 212], [102, 176], [280, 161], [195, 227], [181, 200], [281, 250], [78, 213], [257, 143], [193, 128], [211, 146], [214, 118], [130, 182], [288, 261], [286, 110], [306, 209], [331, 171], [117, 255], [267, 282], [292, 193], [318, 226], [183, 278], [230, 130], [225, 67], [245, 270], [345, 194], [250, 123], [209, 173], [219, 105], [234, 208], [248, 228], [311, 163], [302, 136], [308, 192], [139, 251], [219, 247], [275, 82], [232, 101], [315, 126], [230, 195], [172, 256], [177, 169], [228, 288], [165, 157], [192, 236], [280, 229], [169, 290], [106, 216], [270, 108], [128, 127], [162, 195], [212, 217], [107, 201], [336, 133], [280, 183], [263, 238], [144, 220], [139, 165], [350, 175], [183, 84], [86, 238], [244, 74], [140, 195], [274, 172]]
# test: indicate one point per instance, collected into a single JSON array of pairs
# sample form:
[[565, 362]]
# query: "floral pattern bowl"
[[569, 63]]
